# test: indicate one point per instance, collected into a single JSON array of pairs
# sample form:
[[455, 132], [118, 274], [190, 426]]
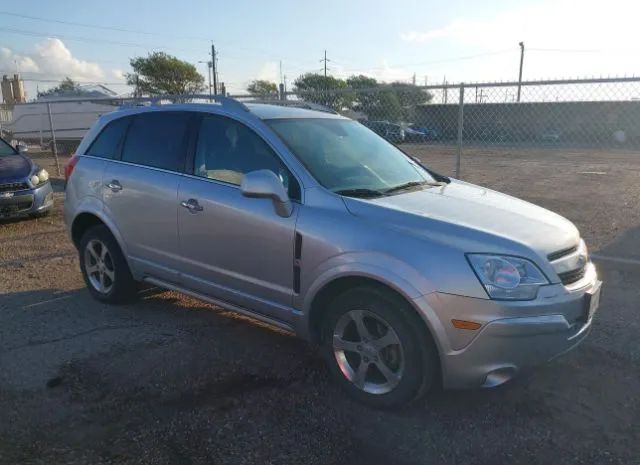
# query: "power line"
[[133, 31], [98, 26], [445, 60], [87, 39]]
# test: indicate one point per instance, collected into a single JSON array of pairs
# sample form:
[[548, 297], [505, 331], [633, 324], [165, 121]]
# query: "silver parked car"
[[312, 222]]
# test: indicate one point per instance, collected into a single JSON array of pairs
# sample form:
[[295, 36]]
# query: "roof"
[[267, 111]]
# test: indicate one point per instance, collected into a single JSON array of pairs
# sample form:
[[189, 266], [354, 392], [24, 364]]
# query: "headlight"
[[507, 278], [40, 177]]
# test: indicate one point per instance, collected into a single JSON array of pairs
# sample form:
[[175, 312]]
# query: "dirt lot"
[[170, 380]]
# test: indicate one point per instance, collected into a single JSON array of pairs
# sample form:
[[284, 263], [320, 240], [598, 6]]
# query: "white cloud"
[[51, 59], [118, 74], [383, 73], [550, 23], [269, 71]]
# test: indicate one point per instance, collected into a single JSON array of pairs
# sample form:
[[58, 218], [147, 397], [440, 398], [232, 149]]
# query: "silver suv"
[[313, 223]]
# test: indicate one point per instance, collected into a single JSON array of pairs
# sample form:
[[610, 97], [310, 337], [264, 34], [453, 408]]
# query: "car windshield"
[[347, 158], [6, 149]]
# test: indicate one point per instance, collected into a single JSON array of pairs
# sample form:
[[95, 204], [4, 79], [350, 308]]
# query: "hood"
[[464, 210], [15, 167]]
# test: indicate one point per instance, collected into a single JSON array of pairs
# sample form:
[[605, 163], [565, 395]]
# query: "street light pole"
[[520, 74]]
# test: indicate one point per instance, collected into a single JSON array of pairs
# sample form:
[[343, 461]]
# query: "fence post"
[[460, 126], [53, 139]]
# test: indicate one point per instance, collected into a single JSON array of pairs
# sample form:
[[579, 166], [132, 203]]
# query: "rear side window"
[[107, 144], [157, 140]]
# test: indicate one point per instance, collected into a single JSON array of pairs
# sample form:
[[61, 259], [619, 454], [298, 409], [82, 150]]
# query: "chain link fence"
[[452, 121]]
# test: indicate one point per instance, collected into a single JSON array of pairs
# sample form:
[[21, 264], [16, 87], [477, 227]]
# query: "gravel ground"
[[170, 380]]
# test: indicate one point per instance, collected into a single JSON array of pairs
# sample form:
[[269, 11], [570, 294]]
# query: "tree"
[[409, 96], [68, 87], [324, 90], [263, 88], [365, 92], [159, 74]]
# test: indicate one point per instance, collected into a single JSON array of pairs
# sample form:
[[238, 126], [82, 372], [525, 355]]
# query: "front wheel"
[[375, 349]]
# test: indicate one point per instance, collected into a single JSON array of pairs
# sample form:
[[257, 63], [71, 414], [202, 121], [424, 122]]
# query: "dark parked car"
[[392, 132], [413, 133], [24, 186]]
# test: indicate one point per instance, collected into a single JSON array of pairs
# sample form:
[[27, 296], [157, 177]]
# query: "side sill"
[[221, 303]]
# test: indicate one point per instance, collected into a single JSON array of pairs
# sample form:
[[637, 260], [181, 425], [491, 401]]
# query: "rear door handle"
[[115, 185], [192, 205]]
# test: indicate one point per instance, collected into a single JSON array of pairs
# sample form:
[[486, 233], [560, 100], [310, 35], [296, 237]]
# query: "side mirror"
[[21, 147], [265, 184]]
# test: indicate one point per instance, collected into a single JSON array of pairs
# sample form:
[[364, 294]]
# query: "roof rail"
[[224, 101], [297, 104]]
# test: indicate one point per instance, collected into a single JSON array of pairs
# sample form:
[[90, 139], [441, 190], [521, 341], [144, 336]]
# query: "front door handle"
[[115, 185], [192, 205]]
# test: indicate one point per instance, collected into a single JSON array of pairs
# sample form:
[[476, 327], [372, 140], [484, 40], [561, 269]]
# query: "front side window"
[[107, 144], [344, 156], [227, 150], [6, 149], [157, 139]]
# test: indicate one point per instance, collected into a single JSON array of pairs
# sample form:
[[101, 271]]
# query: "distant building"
[[13, 90]]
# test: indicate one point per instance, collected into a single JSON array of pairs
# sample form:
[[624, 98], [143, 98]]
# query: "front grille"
[[562, 253], [570, 277], [14, 186]]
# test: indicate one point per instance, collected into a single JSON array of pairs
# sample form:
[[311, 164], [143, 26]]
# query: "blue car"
[[25, 189], [415, 133]]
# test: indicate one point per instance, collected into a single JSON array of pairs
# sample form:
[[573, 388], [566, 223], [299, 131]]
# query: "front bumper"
[[26, 202], [513, 335]]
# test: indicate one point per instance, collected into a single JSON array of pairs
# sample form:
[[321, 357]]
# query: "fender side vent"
[[297, 255], [298, 247]]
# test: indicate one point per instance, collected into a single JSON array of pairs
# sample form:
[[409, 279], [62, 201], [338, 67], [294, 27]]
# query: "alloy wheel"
[[368, 351], [98, 265]]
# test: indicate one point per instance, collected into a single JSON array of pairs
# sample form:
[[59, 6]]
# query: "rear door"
[[87, 178], [140, 190], [236, 248]]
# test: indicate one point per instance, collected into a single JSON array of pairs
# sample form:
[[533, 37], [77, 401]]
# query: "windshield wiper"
[[406, 185], [364, 193]]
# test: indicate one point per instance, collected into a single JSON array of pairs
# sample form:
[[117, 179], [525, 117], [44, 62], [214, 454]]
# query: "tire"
[[400, 365], [104, 267]]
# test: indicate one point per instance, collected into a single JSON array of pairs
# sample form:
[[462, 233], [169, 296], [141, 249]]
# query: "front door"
[[236, 248]]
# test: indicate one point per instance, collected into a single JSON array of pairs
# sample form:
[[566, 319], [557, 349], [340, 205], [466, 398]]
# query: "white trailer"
[[70, 119]]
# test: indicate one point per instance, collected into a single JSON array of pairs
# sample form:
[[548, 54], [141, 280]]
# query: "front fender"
[[382, 268]]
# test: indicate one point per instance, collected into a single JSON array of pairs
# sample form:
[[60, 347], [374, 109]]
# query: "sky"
[[457, 40]]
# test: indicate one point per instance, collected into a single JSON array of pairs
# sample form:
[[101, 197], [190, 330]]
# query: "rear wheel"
[[374, 348], [104, 268]]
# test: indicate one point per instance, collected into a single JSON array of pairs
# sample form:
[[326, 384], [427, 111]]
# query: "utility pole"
[[413, 79], [209, 66], [325, 63], [214, 69], [137, 91], [520, 74], [444, 90]]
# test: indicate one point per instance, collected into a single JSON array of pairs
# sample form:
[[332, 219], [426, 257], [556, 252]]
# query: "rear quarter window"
[[107, 144]]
